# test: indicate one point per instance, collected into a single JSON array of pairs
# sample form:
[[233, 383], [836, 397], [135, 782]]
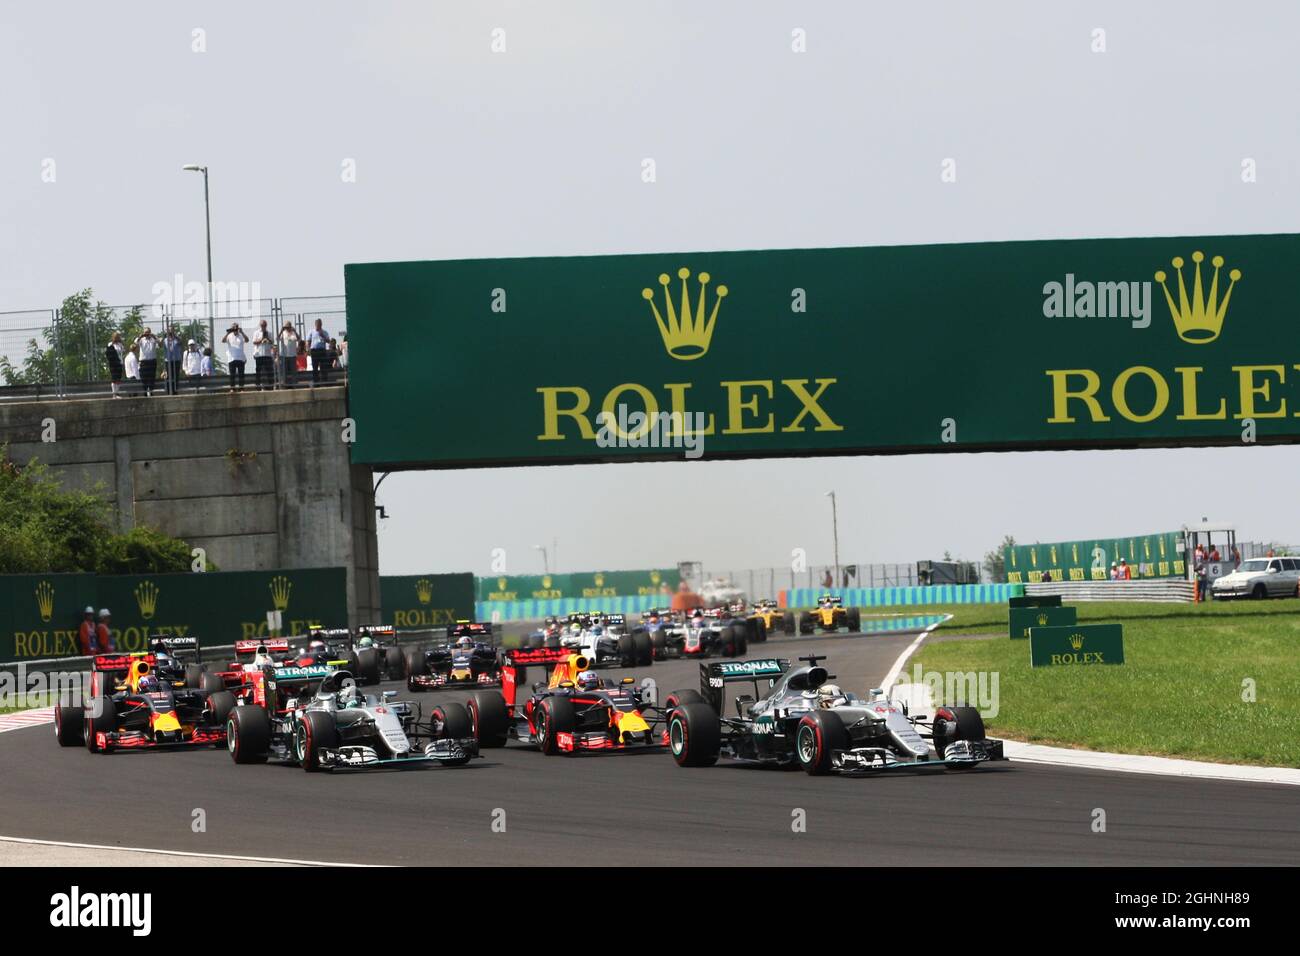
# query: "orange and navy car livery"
[[120, 713]]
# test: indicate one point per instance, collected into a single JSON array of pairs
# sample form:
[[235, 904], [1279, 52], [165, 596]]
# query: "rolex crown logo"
[[1200, 318], [280, 587], [654, 577], [501, 584], [1076, 641], [685, 332], [1042, 620], [45, 600], [600, 580], [146, 598], [423, 591], [546, 581]]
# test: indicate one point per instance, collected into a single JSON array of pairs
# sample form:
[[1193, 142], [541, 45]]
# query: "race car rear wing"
[[175, 645], [515, 660], [272, 646], [716, 675], [120, 662]]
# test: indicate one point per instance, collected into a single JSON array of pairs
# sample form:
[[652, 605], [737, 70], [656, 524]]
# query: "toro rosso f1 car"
[[574, 710], [806, 721], [319, 719], [128, 707], [468, 658]]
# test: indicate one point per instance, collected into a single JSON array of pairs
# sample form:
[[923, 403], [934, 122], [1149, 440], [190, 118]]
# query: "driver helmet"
[[830, 695], [366, 641], [597, 630], [588, 680], [349, 696], [148, 685], [316, 647], [465, 641]]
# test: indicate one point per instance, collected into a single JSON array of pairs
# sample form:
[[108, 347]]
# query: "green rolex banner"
[[587, 584], [427, 600], [1080, 644], [1034, 600], [1146, 556], [1021, 619]]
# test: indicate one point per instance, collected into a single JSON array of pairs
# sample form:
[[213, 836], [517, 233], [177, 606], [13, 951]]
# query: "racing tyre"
[[806, 623], [488, 717], [314, 733], [395, 663], [248, 734], [222, 703], [956, 723], [626, 651], [417, 665], [819, 734], [658, 645], [534, 641], [855, 620], [455, 721], [555, 716], [193, 676], [367, 671], [694, 735], [680, 698], [69, 725], [101, 711], [641, 646], [759, 633], [551, 641], [210, 683], [788, 624]]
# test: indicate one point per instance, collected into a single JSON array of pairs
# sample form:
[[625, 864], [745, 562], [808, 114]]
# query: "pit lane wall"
[[40, 614], [499, 611]]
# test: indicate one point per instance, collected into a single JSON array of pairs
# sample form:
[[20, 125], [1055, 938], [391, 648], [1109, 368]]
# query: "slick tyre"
[[101, 715], [453, 720], [759, 634], [194, 676], [694, 735], [367, 671], [314, 733], [805, 623], [819, 734], [788, 624], [395, 663], [417, 665], [642, 649], [626, 651], [555, 716], [488, 717], [248, 734], [69, 725], [680, 698], [956, 723], [855, 620], [658, 645], [221, 705]]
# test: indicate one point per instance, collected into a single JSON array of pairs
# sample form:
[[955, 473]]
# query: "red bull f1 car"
[[573, 711], [129, 708]]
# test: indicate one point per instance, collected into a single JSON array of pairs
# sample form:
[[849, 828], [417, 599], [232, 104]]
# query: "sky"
[[460, 152]]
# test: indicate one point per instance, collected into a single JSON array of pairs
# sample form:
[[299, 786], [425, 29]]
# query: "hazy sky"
[[463, 152]]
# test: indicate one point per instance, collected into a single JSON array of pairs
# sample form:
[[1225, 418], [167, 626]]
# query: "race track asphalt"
[[642, 805]]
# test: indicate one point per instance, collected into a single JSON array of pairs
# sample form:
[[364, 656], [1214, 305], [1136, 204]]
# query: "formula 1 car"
[[805, 720], [468, 658], [178, 662], [701, 634], [830, 615], [317, 718], [603, 639], [560, 717], [371, 652], [128, 707], [773, 617]]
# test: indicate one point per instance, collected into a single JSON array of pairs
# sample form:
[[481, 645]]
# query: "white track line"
[[197, 856], [897, 669]]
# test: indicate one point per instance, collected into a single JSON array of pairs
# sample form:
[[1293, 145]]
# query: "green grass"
[[1179, 692], [29, 702]]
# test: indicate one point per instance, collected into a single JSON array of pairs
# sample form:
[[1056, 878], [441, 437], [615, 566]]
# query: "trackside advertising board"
[[427, 600], [658, 582], [1076, 645], [1021, 619], [1019, 345], [1147, 556]]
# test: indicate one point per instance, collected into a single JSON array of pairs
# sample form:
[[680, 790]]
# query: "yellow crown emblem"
[[1199, 319], [45, 600], [146, 598], [423, 591], [280, 587], [1076, 641], [600, 580], [1042, 620], [546, 581], [654, 577], [501, 584], [686, 336]]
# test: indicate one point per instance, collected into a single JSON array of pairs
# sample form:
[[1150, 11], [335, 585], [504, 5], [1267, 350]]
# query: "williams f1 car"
[[318, 718], [806, 721]]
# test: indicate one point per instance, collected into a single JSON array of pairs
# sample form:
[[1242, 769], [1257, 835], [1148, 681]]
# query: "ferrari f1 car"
[[468, 658], [318, 718], [573, 711], [806, 721], [830, 614], [128, 707]]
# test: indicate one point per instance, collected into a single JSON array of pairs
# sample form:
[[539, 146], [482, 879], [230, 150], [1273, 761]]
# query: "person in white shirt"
[[263, 357], [148, 346], [132, 363], [235, 340], [115, 354], [192, 361], [289, 354], [343, 351], [318, 341]]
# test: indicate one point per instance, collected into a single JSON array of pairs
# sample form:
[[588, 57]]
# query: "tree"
[[995, 562]]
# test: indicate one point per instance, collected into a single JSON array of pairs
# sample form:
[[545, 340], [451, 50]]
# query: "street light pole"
[[546, 564], [207, 223], [835, 533]]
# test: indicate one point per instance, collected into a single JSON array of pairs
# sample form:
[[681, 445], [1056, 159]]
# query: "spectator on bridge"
[[332, 359], [172, 355], [147, 342], [193, 362], [343, 351], [205, 368], [86, 634], [300, 360], [828, 579], [114, 354], [289, 354], [132, 364], [263, 358], [318, 340], [104, 633], [1047, 577], [235, 340]]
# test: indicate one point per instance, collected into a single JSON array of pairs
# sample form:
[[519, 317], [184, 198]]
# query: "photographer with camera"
[[235, 340]]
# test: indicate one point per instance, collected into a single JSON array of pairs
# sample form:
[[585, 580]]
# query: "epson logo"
[[74, 909]]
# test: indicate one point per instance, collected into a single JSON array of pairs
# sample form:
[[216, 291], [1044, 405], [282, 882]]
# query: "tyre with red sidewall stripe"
[[314, 733], [555, 716], [100, 716], [69, 725], [818, 735], [694, 735], [248, 734], [488, 717]]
